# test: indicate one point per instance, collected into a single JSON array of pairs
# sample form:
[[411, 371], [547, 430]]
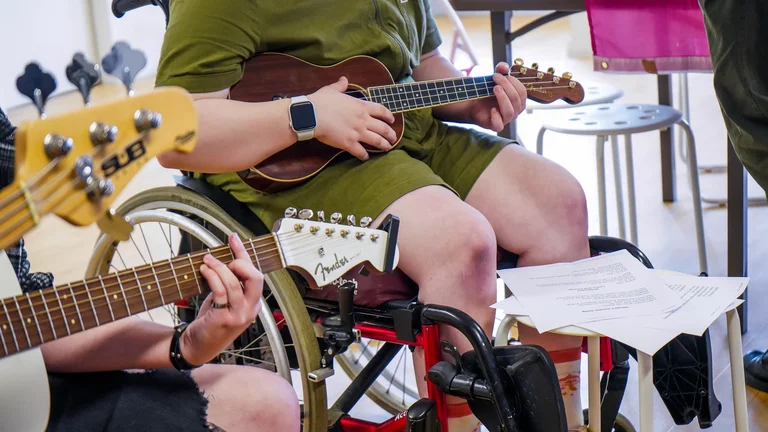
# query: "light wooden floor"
[[666, 231]]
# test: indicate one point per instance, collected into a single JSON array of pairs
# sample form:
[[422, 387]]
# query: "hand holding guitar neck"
[[84, 75]]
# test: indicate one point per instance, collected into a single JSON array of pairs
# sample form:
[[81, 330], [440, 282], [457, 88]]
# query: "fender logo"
[[531, 88], [181, 139], [121, 160], [324, 270]]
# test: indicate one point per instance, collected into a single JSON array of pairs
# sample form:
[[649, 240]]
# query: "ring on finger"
[[219, 305]]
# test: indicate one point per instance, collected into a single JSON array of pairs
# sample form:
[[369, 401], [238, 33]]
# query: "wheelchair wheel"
[[622, 424], [167, 219]]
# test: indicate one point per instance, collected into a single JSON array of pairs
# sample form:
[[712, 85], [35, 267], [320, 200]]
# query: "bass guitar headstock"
[[546, 87], [75, 164]]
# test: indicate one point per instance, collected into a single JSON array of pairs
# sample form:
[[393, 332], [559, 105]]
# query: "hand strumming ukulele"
[[272, 76]]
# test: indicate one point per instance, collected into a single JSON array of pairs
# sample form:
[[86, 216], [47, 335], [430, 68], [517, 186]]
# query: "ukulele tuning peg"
[[365, 222], [535, 66], [335, 218], [36, 85], [551, 71], [351, 220], [567, 75], [84, 75], [519, 62], [125, 63], [290, 212], [306, 214], [320, 216]]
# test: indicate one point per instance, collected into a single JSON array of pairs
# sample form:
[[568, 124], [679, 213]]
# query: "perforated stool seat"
[[611, 120], [594, 94]]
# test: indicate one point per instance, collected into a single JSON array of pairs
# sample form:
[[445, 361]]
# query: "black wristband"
[[177, 358]]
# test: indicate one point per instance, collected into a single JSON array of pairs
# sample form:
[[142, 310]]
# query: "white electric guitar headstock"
[[323, 252]]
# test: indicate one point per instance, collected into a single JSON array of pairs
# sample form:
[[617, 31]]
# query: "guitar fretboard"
[[31, 319], [423, 94]]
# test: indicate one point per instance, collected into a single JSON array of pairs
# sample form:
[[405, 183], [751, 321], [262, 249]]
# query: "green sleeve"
[[206, 44], [432, 39]]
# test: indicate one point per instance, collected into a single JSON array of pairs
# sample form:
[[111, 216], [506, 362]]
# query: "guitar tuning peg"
[[551, 71], [365, 222], [519, 62], [125, 63], [351, 220], [145, 120], [290, 212], [320, 216], [335, 218], [84, 75], [535, 66], [567, 75], [306, 214], [36, 85]]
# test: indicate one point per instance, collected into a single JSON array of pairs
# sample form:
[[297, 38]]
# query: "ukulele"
[[75, 164], [273, 76], [321, 252]]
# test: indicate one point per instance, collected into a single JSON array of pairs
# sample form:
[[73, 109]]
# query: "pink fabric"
[[648, 36]]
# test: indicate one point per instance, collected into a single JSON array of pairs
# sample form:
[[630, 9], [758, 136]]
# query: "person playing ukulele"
[[460, 193]]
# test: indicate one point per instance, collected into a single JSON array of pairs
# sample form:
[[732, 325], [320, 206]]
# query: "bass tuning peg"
[[335, 218], [37, 85], [290, 212], [306, 214], [84, 75]]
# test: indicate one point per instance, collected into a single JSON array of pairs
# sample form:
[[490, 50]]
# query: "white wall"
[[49, 32]]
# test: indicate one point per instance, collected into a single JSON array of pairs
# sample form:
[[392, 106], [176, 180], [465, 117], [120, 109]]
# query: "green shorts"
[[430, 153]]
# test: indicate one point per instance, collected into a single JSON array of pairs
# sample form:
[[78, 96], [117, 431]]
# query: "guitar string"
[[20, 193], [91, 299], [256, 250]]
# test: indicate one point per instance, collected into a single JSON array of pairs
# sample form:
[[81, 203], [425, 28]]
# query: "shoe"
[[756, 370]]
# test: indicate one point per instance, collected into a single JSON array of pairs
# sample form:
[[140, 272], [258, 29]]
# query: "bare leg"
[[242, 398], [538, 211], [449, 249]]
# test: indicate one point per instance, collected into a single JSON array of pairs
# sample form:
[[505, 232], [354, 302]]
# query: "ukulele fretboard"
[[423, 94], [31, 319]]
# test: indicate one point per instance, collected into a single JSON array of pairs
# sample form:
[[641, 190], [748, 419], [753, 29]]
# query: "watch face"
[[303, 116]]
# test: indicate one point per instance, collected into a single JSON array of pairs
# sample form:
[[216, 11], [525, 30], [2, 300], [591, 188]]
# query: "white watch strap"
[[302, 135]]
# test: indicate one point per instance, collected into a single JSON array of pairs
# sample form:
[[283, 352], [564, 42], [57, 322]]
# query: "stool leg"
[[693, 172], [631, 189], [540, 142], [619, 189], [601, 185], [645, 383], [737, 371], [593, 377]]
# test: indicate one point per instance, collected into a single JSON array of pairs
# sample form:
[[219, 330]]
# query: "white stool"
[[612, 120], [644, 370]]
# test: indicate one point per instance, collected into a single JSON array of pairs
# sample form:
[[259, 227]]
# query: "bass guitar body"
[[274, 76], [25, 400]]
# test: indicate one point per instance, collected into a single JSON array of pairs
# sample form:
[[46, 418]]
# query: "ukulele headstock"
[[546, 87], [75, 164]]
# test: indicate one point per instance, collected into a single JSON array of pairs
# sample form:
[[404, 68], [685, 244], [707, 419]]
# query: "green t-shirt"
[[207, 41]]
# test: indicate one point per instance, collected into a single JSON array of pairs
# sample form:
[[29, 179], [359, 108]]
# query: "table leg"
[[737, 225], [668, 189], [502, 52], [593, 376], [738, 385]]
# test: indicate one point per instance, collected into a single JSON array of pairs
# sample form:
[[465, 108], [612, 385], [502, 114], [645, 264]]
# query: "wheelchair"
[[369, 324]]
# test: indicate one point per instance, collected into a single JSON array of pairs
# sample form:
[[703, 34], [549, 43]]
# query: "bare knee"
[[573, 205]]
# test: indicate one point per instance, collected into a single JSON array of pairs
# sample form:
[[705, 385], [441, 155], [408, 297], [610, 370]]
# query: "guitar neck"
[[29, 320]]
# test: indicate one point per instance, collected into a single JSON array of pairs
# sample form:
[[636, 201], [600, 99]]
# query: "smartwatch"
[[301, 115]]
